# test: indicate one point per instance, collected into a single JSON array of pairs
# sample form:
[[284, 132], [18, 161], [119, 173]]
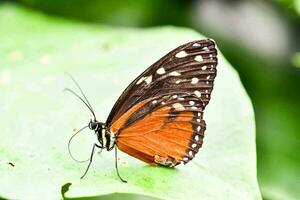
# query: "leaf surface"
[[38, 118]]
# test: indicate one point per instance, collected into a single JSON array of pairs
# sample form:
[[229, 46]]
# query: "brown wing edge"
[[201, 134]]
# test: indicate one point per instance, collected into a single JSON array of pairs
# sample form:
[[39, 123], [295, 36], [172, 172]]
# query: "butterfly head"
[[96, 126], [93, 125]]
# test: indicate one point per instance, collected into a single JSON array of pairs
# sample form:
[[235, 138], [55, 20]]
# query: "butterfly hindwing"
[[173, 130], [159, 117]]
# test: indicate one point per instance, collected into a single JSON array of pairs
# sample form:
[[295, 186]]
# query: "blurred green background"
[[261, 39]]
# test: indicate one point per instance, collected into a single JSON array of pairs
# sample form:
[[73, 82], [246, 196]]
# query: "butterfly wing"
[[159, 117]]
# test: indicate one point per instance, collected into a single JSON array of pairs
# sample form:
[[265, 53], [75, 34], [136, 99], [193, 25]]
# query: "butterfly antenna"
[[74, 93], [69, 143], [86, 102]]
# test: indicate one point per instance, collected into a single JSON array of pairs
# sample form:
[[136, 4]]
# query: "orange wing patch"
[[157, 138]]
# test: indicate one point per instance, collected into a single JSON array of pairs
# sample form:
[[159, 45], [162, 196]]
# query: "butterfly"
[[158, 119]]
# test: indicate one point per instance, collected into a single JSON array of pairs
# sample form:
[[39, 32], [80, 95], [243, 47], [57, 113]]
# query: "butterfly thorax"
[[105, 139]]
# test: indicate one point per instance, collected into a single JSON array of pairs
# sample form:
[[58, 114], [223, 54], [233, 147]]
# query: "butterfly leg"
[[116, 165], [91, 159]]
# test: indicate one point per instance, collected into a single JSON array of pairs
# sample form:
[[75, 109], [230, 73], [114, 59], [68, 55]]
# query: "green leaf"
[[296, 60], [293, 5], [38, 118]]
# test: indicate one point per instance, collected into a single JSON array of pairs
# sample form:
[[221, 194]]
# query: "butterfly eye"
[[93, 125]]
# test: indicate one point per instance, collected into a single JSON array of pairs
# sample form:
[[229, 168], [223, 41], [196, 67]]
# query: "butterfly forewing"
[[159, 117], [189, 67]]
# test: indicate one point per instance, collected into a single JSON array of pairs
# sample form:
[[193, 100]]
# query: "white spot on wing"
[[204, 67], [148, 80], [178, 106], [154, 102], [192, 103], [196, 45], [197, 93], [175, 73], [198, 58], [197, 138], [198, 128], [194, 80], [208, 77], [205, 49], [161, 71], [181, 54], [141, 80], [177, 82], [194, 145], [174, 96]]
